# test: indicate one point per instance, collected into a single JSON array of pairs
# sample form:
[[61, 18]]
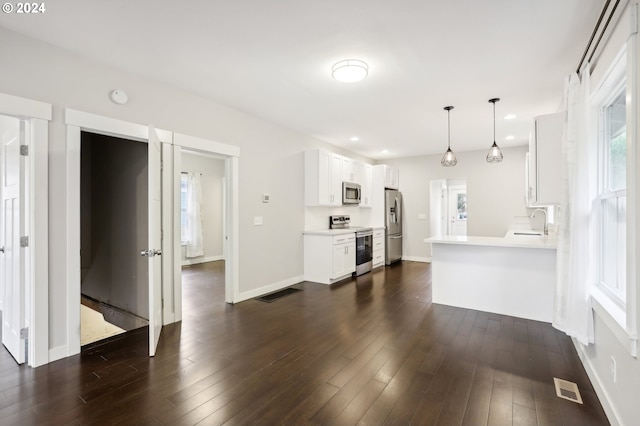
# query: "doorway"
[[448, 207], [202, 206], [114, 287]]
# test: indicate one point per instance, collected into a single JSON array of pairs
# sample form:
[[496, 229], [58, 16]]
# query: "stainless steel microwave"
[[351, 193]]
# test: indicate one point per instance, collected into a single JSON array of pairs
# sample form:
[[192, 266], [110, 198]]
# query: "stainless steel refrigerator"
[[393, 225]]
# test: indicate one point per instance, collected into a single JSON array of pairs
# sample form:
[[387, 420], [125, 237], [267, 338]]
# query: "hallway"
[[371, 350]]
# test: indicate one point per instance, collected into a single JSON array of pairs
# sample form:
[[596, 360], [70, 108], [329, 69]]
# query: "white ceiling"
[[273, 59]]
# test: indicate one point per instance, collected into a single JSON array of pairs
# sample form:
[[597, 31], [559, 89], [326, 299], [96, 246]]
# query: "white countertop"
[[521, 241], [329, 232]]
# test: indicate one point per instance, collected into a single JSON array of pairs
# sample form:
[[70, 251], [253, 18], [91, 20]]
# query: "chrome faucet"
[[546, 224]]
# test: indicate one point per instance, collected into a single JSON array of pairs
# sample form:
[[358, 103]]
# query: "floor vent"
[[277, 295], [567, 390]]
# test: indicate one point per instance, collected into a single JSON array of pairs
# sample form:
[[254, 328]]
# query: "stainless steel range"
[[364, 242]]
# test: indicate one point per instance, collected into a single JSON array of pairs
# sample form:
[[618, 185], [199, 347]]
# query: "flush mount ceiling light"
[[494, 155], [449, 159], [350, 70]]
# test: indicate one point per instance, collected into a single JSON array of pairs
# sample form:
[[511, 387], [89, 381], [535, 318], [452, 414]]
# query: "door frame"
[[78, 121], [231, 156], [36, 116]]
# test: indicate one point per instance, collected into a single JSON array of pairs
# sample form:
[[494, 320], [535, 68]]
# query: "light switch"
[[257, 220]]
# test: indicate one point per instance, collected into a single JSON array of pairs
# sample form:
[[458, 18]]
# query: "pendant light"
[[449, 159], [494, 155]]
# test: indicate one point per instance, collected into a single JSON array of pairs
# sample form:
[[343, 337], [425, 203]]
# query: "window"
[[611, 200], [184, 182]]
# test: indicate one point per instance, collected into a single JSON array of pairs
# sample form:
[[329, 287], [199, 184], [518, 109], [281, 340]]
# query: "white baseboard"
[[57, 353], [417, 259], [601, 392], [197, 260], [268, 288]]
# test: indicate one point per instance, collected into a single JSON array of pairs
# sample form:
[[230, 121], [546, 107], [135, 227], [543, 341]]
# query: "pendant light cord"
[[448, 129], [494, 122]]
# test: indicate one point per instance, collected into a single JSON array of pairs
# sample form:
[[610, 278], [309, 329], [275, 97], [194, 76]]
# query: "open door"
[[13, 227], [154, 251]]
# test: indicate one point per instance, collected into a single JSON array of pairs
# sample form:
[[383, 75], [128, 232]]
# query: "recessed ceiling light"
[[510, 137], [510, 116], [350, 70], [385, 151], [354, 139]]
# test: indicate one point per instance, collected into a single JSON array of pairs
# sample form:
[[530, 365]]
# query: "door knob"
[[151, 253]]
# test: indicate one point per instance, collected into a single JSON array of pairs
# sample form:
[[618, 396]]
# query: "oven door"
[[364, 249]]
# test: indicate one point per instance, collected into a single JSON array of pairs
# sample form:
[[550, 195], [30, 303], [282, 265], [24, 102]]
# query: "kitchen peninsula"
[[510, 276]]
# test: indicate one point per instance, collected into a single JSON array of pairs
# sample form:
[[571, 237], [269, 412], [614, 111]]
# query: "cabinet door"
[[348, 170], [344, 260], [391, 177], [364, 179], [350, 258], [335, 181]]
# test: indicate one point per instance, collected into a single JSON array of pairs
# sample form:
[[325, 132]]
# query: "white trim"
[[24, 108], [58, 352], [199, 260], [251, 294], [73, 240], [417, 259], [168, 311], [113, 127], [199, 144], [39, 239], [176, 298], [37, 114], [601, 390], [232, 231]]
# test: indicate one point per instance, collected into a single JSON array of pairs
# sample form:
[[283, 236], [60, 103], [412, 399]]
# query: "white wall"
[[495, 194], [271, 158], [212, 170]]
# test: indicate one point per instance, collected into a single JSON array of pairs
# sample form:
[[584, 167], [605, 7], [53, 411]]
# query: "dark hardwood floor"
[[367, 351]]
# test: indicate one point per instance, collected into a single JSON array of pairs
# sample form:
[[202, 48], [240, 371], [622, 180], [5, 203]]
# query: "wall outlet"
[[614, 372], [257, 220]]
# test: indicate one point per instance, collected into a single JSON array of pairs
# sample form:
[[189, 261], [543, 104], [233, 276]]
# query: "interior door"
[[458, 211], [13, 261], [154, 252]]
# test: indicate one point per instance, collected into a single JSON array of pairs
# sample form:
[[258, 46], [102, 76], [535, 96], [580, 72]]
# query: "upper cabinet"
[[322, 178], [364, 177], [391, 177], [544, 160], [324, 173]]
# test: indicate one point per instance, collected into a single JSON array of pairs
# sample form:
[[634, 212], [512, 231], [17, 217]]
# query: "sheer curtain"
[[572, 313], [194, 215]]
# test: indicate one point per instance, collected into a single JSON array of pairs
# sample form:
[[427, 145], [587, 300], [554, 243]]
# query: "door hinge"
[[162, 303], [24, 241], [24, 333], [24, 150]]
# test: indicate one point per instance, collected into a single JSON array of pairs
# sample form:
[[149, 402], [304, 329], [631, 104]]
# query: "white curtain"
[[194, 215], [572, 313]]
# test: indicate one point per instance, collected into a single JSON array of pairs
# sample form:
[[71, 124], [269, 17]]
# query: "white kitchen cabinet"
[[322, 178], [378, 247], [364, 178], [344, 257], [391, 177], [349, 170], [544, 160], [329, 257]]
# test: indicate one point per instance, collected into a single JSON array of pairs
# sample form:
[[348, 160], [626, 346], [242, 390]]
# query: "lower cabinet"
[[378, 248], [329, 258]]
